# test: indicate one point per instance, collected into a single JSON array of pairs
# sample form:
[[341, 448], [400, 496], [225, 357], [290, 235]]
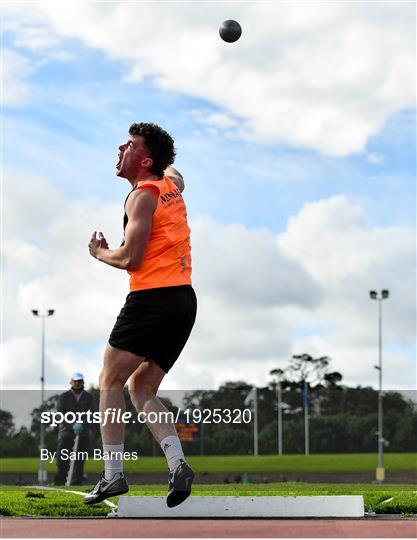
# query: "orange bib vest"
[[167, 258]]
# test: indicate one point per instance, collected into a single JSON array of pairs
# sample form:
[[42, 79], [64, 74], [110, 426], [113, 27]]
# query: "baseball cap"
[[77, 376]]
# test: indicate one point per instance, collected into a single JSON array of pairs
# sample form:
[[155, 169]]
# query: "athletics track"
[[207, 528]]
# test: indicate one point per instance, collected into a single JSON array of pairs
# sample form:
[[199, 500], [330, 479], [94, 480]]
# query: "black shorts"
[[156, 323]]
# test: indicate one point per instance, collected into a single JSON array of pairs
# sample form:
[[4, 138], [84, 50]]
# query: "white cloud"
[[59, 273], [22, 368], [26, 23], [247, 266], [214, 119], [324, 76], [332, 241], [16, 70], [356, 361]]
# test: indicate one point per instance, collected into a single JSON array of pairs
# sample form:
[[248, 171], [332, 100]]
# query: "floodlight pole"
[[279, 395], [255, 425], [306, 424], [380, 471], [42, 473]]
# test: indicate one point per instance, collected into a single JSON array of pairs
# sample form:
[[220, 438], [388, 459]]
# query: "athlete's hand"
[[103, 241], [97, 243]]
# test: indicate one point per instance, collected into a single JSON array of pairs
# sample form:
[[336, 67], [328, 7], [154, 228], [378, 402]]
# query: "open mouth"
[[119, 162]]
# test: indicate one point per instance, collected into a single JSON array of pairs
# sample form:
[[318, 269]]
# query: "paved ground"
[[207, 528]]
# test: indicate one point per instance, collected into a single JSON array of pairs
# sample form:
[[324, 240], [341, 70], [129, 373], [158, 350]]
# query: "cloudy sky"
[[297, 145]]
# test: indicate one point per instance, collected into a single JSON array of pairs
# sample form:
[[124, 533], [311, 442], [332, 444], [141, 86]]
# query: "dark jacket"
[[68, 403]]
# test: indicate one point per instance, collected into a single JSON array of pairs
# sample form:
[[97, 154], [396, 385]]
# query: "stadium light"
[[380, 471], [42, 474]]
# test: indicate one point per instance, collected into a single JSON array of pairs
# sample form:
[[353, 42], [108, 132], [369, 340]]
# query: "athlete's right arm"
[[176, 177], [139, 208]]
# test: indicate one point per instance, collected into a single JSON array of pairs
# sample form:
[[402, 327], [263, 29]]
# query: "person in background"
[[74, 400]]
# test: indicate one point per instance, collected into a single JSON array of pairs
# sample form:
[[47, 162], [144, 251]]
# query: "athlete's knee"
[[109, 378], [140, 392]]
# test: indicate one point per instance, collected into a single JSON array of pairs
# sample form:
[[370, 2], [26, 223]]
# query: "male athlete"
[[156, 320]]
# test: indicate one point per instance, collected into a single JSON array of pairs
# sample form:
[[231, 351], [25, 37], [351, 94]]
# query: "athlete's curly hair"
[[160, 144]]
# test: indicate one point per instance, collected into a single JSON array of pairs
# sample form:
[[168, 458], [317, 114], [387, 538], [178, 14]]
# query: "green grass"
[[25, 502], [249, 464], [20, 501]]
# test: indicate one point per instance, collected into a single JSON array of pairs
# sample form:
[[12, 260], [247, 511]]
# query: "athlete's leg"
[[143, 386], [117, 368]]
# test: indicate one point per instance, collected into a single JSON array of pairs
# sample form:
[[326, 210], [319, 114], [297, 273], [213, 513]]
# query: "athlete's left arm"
[[139, 209], [176, 177]]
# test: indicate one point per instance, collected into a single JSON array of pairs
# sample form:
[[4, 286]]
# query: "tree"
[[303, 368], [332, 379], [7, 430], [24, 444], [6, 424], [406, 434]]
